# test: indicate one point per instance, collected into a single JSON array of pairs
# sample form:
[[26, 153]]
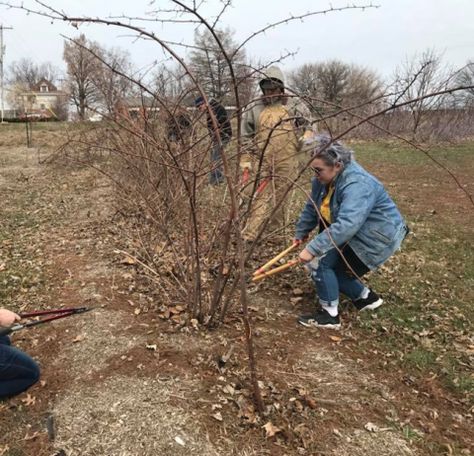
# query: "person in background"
[[223, 131], [358, 225], [179, 126], [274, 128], [18, 371]]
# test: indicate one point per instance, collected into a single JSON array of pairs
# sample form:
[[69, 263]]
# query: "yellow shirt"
[[325, 207]]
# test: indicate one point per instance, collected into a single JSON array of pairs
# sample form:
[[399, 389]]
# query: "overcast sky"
[[379, 38]]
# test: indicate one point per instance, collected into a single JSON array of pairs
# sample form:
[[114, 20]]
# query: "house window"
[[43, 88]]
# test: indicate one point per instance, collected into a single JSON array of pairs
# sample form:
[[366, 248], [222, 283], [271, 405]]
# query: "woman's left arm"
[[358, 199]]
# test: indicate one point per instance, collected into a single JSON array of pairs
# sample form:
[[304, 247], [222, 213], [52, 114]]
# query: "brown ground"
[[119, 381]]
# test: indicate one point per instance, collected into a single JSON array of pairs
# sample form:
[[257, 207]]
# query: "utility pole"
[[2, 53]]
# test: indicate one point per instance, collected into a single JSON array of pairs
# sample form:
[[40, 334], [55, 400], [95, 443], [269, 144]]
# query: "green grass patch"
[[421, 359], [397, 153], [426, 323]]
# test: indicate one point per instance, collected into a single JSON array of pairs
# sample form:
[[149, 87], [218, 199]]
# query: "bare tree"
[[83, 68], [110, 86], [171, 82], [466, 78], [209, 64], [336, 83], [417, 77], [27, 73]]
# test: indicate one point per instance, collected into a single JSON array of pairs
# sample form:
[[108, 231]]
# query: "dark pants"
[[17, 370], [216, 176]]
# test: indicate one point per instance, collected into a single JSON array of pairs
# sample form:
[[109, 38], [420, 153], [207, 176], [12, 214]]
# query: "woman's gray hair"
[[331, 152]]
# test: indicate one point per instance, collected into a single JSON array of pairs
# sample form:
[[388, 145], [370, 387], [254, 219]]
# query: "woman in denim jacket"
[[359, 228]]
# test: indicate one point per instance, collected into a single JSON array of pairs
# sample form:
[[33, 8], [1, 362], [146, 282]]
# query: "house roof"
[[139, 102], [42, 82]]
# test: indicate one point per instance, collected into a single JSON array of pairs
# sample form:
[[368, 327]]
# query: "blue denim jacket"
[[363, 215]]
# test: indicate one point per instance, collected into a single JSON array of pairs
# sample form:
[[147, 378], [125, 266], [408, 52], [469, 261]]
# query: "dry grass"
[[104, 404], [130, 416]]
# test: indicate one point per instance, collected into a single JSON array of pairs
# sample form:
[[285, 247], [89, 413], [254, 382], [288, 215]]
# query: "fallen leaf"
[[298, 406], [335, 338], [371, 427], [31, 437], [176, 319], [310, 402], [217, 416], [176, 310], [179, 441], [29, 400], [248, 413], [77, 339], [129, 260], [229, 390], [165, 315], [270, 429]]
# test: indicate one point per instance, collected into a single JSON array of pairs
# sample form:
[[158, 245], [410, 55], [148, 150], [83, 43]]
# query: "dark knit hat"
[[198, 101]]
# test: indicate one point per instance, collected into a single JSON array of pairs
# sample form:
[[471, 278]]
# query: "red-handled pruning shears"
[[56, 314]]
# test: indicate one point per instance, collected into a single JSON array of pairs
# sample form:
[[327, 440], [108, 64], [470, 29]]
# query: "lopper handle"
[[266, 266], [5, 331], [68, 310], [281, 268]]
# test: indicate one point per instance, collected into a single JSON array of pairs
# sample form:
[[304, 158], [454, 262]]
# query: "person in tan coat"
[[273, 130]]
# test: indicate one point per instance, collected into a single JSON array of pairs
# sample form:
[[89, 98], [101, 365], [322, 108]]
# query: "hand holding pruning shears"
[[9, 321], [307, 258], [7, 317]]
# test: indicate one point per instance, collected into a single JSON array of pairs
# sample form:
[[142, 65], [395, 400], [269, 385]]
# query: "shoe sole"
[[372, 306], [315, 325]]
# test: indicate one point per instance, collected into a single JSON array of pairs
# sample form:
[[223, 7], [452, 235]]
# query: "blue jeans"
[[17, 370], [216, 175], [332, 277]]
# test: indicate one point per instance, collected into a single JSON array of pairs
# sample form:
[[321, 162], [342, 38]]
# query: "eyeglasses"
[[316, 170]]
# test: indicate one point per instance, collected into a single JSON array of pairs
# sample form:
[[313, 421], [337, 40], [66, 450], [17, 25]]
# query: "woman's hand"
[[297, 241], [305, 256], [7, 317]]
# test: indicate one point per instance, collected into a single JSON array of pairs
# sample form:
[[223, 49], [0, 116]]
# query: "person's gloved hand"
[[7, 317], [246, 162]]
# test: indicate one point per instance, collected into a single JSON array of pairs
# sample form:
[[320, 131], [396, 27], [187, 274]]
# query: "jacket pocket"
[[386, 237]]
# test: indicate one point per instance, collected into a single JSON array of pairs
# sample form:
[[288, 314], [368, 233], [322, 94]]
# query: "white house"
[[43, 101]]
